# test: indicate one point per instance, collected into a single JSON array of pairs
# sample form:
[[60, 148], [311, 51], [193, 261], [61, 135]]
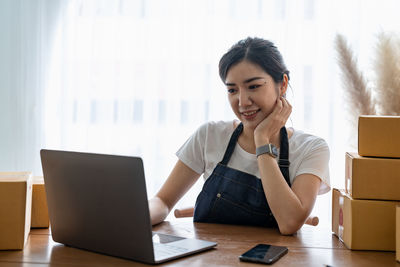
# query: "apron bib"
[[230, 196]]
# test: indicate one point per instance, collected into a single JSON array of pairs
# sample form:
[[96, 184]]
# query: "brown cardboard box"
[[398, 233], [364, 224], [40, 215], [372, 178], [15, 209], [378, 136]]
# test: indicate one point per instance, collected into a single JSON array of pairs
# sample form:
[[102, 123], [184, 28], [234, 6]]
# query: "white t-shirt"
[[206, 147]]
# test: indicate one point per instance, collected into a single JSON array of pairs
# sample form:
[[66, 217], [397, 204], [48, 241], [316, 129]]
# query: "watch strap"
[[267, 149]]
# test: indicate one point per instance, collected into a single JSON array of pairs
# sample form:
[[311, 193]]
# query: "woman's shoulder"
[[307, 141], [217, 127]]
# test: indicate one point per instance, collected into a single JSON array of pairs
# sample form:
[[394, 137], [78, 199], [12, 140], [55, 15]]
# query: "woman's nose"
[[244, 98]]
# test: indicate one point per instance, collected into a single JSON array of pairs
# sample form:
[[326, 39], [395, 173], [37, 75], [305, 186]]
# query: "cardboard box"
[[378, 136], [40, 214], [372, 178], [15, 209], [364, 224], [398, 233]]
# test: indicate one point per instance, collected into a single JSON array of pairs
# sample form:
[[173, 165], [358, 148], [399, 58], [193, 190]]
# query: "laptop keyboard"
[[164, 250]]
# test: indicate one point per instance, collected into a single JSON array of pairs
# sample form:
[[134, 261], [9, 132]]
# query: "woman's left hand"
[[267, 128]]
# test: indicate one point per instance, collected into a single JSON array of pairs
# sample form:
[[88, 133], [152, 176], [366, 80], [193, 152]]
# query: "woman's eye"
[[231, 90], [254, 86]]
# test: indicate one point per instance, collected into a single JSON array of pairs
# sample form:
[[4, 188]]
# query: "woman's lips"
[[249, 115]]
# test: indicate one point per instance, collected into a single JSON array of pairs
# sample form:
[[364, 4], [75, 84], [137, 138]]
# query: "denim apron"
[[231, 196]]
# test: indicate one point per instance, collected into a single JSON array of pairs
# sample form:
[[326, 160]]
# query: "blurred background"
[[138, 77]]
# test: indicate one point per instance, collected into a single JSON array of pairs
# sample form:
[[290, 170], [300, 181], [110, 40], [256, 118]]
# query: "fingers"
[[275, 120], [276, 112], [286, 108], [312, 220], [282, 110]]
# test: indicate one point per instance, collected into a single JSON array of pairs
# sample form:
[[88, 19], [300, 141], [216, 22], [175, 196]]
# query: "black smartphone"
[[263, 253]]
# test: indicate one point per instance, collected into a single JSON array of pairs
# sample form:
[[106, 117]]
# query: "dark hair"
[[258, 51]]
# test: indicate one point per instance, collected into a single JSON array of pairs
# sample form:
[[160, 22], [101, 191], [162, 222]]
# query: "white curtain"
[[26, 31], [137, 77]]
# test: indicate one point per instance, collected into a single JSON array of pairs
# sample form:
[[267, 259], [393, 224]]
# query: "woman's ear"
[[284, 85]]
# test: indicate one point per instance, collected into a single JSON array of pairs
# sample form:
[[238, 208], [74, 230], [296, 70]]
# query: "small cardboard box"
[[40, 214], [398, 233], [15, 209], [364, 224], [378, 136], [372, 178]]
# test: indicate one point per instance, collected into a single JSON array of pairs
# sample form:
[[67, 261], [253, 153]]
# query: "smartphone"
[[263, 253]]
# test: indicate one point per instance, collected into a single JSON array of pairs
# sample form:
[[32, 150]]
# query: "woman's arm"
[[290, 206], [189, 212], [178, 183]]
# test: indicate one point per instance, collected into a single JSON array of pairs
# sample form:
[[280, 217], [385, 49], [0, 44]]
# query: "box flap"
[[15, 176]]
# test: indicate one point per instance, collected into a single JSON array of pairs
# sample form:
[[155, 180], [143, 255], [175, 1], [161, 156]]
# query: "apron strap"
[[283, 161], [232, 144]]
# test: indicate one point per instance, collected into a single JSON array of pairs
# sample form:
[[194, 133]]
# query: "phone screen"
[[263, 253]]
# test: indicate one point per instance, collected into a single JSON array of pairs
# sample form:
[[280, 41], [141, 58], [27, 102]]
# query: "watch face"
[[274, 151]]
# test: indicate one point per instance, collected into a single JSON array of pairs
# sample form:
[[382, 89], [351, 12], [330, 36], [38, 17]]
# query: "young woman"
[[256, 171]]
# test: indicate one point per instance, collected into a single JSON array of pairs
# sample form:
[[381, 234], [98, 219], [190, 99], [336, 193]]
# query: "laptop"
[[99, 203]]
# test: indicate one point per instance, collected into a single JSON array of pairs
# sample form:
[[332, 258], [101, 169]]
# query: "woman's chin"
[[251, 124]]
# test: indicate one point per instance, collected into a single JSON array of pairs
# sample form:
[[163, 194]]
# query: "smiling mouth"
[[250, 113]]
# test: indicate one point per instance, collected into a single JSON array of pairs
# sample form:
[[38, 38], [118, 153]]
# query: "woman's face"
[[252, 93]]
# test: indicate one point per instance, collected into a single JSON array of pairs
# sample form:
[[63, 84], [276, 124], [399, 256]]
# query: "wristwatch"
[[269, 149]]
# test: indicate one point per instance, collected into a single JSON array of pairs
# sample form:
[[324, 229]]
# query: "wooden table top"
[[311, 246]]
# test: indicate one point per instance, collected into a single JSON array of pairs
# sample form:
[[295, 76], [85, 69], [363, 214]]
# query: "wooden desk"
[[311, 246]]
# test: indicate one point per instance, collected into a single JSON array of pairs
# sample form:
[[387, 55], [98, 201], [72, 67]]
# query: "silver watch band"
[[267, 149]]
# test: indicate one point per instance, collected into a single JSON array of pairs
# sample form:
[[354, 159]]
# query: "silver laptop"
[[99, 203]]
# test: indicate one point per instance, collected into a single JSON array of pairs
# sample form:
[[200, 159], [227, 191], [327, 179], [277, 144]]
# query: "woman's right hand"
[[271, 125]]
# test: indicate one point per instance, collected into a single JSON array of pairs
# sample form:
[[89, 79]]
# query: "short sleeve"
[[316, 162], [192, 153]]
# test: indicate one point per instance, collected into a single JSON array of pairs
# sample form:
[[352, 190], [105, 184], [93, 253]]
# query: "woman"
[[257, 171]]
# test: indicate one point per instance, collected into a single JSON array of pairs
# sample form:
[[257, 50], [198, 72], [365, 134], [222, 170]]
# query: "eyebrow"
[[245, 81]]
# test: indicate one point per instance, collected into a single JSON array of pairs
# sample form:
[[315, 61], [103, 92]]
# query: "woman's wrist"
[[260, 141]]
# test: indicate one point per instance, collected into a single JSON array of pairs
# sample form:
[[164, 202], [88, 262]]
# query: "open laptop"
[[99, 202]]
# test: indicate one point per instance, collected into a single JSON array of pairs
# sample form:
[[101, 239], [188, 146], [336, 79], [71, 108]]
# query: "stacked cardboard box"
[[15, 209], [378, 136], [40, 215], [364, 215], [398, 233]]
